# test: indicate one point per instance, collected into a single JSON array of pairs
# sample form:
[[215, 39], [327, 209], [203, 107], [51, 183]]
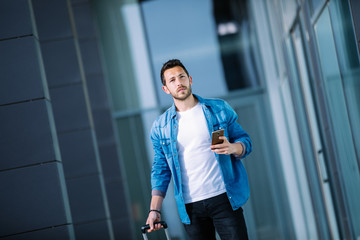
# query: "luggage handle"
[[147, 226]]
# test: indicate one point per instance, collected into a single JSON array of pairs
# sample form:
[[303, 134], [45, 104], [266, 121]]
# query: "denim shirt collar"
[[173, 108]]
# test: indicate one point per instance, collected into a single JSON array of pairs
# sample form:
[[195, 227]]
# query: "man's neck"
[[186, 104]]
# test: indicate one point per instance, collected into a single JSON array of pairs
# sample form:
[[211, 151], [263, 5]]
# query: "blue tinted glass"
[[289, 12], [316, 4], [337, 87]]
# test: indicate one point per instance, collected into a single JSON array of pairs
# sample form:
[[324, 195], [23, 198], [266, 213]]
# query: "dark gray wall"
[[60, 176], [88, 40], [33, 201]]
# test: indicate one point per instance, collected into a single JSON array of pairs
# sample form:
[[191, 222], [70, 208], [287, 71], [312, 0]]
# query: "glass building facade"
[[291, 71]]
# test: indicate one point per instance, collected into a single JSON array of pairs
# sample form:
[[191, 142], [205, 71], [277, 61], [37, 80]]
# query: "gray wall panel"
[[52, 19], [72, 114], [70, 108], [116, 195], [78, 154], [93, 231], [21, 77], [103, 122], [123, 230], [86, 200], [84, 21], [26, 135], [110, 162], [53, 233], [79, 1], [61, 63], [99, 98], [31, 137], [14, 18], [104, 128], [34, 199], [90, 56]]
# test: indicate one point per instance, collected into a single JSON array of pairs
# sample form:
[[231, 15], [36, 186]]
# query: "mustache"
[[180, 88]]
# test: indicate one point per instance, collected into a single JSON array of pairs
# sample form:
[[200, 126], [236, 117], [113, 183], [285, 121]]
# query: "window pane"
[[116, 52], [347, 52], [316, 4], [275, 21], [316, 167], [289, 8], [213, 38], [188, 34], [334, 86], [236, 39]]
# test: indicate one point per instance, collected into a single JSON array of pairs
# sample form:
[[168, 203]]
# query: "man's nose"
[[177, 80]]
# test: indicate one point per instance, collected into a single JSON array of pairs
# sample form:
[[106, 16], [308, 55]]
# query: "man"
[[210, 181]]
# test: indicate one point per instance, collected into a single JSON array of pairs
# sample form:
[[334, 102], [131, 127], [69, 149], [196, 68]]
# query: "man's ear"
[[166, 89], [190, 79]]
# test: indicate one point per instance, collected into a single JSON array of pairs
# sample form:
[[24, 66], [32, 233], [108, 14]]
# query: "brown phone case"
[[215, 137]]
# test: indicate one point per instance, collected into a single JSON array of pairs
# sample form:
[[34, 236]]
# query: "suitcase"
[[147, 227]]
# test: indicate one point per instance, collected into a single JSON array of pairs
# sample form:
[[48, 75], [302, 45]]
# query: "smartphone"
[[215, 137]]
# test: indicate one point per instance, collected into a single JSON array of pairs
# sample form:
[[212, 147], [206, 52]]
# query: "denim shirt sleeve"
[[160, 172], [236, 132]]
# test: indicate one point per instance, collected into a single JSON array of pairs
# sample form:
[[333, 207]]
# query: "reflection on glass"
[[185, 30], [213, 38], [235, 34], [316, 5], [334, 83], [349, 63], [315, 135], [289, 9], [115, 49], [276, 24]]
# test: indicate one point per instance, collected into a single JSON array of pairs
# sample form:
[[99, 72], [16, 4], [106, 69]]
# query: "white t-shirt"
[[200, 172]]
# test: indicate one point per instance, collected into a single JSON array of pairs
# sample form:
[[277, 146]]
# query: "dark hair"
[[171, 64]]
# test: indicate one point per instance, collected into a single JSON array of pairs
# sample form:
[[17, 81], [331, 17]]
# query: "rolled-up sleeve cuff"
[[156, 192], [243, 152]]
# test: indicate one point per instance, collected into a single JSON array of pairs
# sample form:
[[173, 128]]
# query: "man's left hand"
[[226, 147]]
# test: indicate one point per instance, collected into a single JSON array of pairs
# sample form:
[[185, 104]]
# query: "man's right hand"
[[152, 218]]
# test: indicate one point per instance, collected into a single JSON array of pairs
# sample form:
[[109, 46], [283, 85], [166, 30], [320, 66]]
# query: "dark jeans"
[[215, 213]]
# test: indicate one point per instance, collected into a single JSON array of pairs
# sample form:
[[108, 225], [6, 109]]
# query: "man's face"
[[178, 84]]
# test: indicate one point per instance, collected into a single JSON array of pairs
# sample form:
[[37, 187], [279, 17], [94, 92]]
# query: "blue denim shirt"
[[219, 115]]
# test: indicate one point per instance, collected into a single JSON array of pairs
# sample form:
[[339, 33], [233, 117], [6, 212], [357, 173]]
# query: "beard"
[[183, 94]]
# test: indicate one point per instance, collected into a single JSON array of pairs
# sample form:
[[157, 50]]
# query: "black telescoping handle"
[[147, 226]]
